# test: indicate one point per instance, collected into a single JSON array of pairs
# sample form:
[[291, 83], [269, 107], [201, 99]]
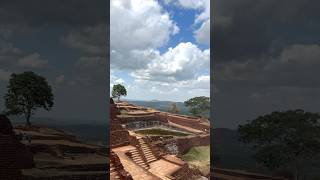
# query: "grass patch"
[[162, 132], [197, 153], [199, 158]]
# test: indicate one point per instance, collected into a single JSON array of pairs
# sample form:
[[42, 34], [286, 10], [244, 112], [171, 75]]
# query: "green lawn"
[[199, 157], [163, 132]]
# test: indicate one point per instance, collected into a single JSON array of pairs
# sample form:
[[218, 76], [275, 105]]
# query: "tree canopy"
[[26, 93], [199, 106], [283, 139], [118, 90]]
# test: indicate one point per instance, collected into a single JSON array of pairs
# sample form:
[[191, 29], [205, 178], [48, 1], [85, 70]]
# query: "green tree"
[[26, 93], [199, 106], [283, 140], [173, 108], [118, 90]]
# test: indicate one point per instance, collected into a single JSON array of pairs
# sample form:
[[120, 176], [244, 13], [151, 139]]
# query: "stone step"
[[151, 159], [149, 155], [136, 157], [135, 153], [137, 160], [146, 149], [140, 163]]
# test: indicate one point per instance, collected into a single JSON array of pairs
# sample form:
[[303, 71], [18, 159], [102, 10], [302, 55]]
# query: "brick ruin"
[[52, 154], [153, 157], [14, 156]]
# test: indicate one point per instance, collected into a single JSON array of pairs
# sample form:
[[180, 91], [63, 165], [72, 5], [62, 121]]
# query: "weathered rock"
[[14, 155]]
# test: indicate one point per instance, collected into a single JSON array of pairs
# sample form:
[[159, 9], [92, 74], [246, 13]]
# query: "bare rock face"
[[14, 155]]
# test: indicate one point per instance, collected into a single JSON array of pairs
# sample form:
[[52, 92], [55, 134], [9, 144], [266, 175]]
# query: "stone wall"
[[114, 159], [129, 119], [185, 143], [118, 135], [182, 143], [119, 138], [162, 117], [142, 124], [195, 123]]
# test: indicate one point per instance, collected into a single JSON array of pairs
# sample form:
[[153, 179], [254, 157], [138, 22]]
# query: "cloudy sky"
[[266, 58], [64, 41], [159, 49]]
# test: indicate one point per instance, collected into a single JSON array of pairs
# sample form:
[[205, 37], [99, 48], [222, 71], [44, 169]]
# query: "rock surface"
[[14, 155]]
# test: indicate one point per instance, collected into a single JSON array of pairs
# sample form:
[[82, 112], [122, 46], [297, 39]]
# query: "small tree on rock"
[[118, 90], [173, 108], [28, 92]]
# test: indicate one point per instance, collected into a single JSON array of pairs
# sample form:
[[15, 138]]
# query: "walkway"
[[195, 131], [163, 168], [136, 171]]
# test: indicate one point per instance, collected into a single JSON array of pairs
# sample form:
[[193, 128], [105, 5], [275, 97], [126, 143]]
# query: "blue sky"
[[160, 49]]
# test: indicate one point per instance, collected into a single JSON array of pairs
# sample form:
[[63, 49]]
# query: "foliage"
[[173, 108], [28, 92], [283, 139], [118, 90], [200, 153], [199, 106]]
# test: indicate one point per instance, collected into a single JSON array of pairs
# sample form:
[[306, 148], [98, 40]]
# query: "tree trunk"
[[28, 115], [118, 98]]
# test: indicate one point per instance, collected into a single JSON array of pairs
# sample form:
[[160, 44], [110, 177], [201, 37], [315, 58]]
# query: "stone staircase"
[[138, 159], [113, 173], [150, 157]]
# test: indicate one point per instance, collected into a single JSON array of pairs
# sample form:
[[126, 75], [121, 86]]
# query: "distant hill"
[[161, 105]]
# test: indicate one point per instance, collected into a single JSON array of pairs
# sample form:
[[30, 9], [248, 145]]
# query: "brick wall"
[[185, 143], [195, 123]]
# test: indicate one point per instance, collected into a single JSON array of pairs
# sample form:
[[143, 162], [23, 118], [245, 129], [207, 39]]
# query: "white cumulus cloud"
[[136, 26]]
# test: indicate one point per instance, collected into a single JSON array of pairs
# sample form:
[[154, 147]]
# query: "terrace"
[[156, 141]]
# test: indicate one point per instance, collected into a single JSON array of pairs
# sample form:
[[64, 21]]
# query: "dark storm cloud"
[[266, 58], [64, 41], [39, 12], [257, 27]]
